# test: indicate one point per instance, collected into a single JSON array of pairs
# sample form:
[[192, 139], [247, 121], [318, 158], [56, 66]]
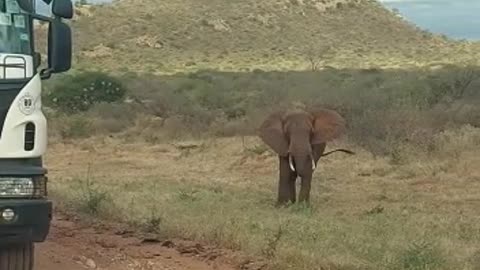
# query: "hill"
[[182, 35], [415, 131], [406, 201]]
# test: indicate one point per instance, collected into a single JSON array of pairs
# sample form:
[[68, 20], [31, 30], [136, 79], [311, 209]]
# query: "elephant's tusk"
[[290, 162], [314, 166]]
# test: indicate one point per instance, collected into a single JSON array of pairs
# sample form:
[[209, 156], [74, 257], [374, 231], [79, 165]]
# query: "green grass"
[[306, 238], [367, 213]]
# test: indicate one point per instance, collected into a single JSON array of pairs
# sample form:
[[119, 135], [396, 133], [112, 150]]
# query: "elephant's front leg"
[[304, 196], [286, 184], [317, 151], [291, 184]]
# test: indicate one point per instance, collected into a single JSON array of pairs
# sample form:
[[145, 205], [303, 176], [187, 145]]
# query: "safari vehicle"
[[25, 211]]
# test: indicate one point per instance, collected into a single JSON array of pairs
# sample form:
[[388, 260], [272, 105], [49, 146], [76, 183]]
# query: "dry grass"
[[166, 37], [367, 212]]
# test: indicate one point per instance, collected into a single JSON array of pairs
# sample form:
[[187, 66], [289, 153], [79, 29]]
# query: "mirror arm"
[[41, 17], [45, 73]]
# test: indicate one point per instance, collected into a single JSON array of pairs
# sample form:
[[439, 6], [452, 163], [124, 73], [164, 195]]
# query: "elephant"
[[299, 138]]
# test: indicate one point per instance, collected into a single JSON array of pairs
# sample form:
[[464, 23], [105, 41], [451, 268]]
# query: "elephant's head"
[[295, 135]]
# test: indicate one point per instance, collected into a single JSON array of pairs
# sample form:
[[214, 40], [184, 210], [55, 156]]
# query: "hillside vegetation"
[[243, 35]]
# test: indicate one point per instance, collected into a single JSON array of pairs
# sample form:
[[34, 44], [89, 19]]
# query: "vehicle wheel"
[[17, 257]]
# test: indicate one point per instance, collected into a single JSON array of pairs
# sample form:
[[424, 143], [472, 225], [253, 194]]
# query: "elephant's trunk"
[[292, 165], [300, 155]]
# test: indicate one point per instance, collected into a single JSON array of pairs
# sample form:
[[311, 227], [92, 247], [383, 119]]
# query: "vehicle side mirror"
[[62, 8], [26, 5], [59, 48]]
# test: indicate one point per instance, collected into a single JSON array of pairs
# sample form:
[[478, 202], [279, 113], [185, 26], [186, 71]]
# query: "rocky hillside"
[[179, 35]]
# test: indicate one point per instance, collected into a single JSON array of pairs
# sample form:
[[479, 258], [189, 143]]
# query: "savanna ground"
[[177, 156]]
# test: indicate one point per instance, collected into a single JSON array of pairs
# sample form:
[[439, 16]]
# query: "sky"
[[44, 9], [458, 19]]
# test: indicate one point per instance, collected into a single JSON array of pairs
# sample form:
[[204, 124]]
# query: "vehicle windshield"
[[14, 29]]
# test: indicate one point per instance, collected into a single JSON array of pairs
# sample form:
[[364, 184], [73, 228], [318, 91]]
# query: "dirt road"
[[77, 247]]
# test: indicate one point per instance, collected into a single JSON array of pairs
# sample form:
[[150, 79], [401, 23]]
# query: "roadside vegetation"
[[386, 111], [177, 156]]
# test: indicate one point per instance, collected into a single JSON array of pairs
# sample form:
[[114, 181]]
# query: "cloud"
[[430, 2], [397, 1], [415, 4], [412, 1]]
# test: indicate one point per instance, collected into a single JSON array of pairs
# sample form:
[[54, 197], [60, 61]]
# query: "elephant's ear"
[[327, 125], [272, 134]]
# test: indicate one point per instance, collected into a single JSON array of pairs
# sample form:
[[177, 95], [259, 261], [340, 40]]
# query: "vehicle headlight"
[[22, 186]]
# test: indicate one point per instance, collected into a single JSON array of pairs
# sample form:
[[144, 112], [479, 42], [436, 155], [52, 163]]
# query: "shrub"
[[112, 117], [384, 110], [75, 126], [421, 255], [79, 92]]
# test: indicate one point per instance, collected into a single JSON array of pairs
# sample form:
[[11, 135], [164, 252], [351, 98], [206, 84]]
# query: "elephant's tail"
[[339, 150]]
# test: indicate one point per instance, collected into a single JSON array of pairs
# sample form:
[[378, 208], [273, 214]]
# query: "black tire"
[[17, 257]]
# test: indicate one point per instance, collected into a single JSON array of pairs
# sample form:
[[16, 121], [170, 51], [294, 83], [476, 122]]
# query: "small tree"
[[316, 56]]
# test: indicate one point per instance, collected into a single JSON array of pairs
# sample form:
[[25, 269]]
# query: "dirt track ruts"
[[73, 246]]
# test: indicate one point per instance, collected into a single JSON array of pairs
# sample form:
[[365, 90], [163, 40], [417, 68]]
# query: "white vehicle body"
[[25, 211], [25, 108]]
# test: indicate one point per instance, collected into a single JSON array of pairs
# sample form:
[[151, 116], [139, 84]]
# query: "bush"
[[385, 110], [79, 92], [421, 255], [112, 117], [361, 96], [75, 126]]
